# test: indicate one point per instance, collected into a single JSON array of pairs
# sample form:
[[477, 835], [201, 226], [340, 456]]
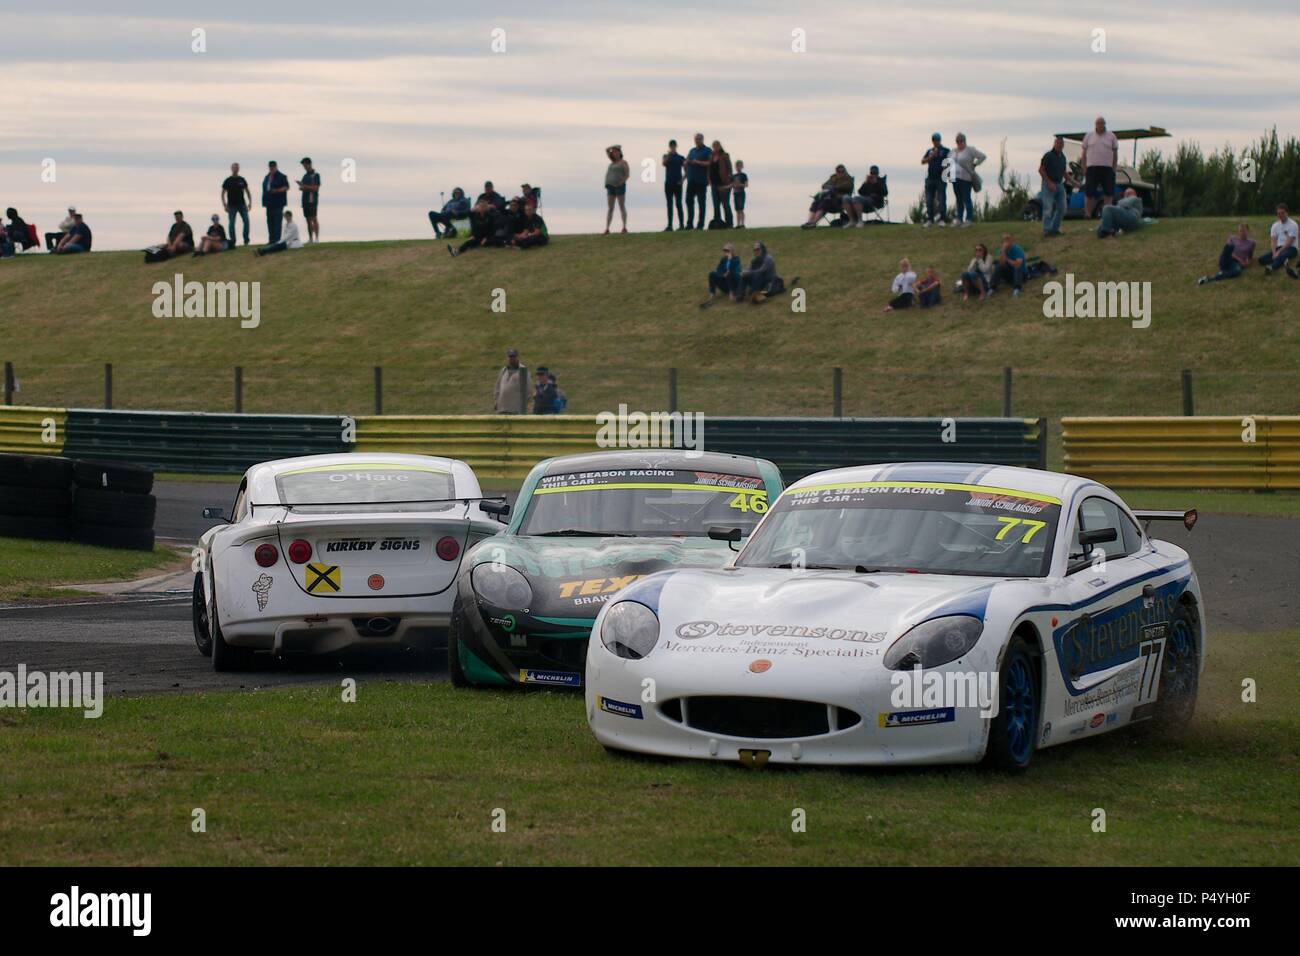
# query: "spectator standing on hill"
[[511, 391], [76, 239], [928, 289], [289, 238], [1237, 253], [544, 392], [180, 237], [902, 287], [214, 240], [725, 277], [457, 207], [978, 274], [720, 177], [1052, 168], [1283, 239], [52, 239], [1125, 214], [674, 164], [936, 187], [964, 160], [275, 196], [1010, 266], [1099, 157], [616, 177], [739, 183], [310, 186], [235, 200], [697, 181]]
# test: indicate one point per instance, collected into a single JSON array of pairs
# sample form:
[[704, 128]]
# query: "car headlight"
[[934, 642], [502, 586], [629, 630]]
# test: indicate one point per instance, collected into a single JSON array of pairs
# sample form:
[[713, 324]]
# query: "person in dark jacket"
[[830, 198], [457, 207], [725, 277], [275, 196], [491, 195], [544, 392], [17, 230], [180, 237], [488, 226], [530, 229], [760, 276]]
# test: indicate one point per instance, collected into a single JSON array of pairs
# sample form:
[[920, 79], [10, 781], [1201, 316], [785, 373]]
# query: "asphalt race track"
[[144, 642]]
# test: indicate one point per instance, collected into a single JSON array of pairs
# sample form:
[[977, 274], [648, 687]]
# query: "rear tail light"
[[448, 549], [299, 551], [266, 555]]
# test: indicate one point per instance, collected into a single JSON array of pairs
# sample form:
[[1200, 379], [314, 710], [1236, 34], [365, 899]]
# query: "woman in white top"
[[616, 177], [288, 238], [964, 160], [902, 287], [978, 274]]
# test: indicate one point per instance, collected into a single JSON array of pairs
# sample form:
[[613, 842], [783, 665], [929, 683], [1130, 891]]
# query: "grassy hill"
[[610, 314]]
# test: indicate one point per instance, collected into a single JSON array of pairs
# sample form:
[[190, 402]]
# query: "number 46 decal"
[[1032, 527], [750, 501]]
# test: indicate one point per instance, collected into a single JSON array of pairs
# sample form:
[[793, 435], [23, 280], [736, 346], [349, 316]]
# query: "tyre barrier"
[[51, 498]]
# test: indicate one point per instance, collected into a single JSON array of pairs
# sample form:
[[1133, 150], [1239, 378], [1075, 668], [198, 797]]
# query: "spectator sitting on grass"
[[457, 207], [1010, 266], [180, 238], [725, 277], [761, 275], [17, 231], [529, 229], [1283, 239], [978, 274], [928, 289], [489, 194], [902, 286], [215, 240], [1236, 254], [1125, 214], [870, 197], [488, 226], [52, 239], [830, 198], [77, 239], [289, 238]]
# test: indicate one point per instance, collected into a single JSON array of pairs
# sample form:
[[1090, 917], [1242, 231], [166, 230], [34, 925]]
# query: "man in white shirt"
[[1099, 158], [288, 238], [1283, 237], [52, 238]]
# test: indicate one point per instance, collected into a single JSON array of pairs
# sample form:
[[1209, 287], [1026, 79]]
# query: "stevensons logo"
[[625, 429], [76, 909], [208, 300], [1098, 300], [692, 630]]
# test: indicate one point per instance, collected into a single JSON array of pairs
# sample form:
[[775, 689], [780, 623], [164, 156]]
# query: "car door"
[[1110, 636]]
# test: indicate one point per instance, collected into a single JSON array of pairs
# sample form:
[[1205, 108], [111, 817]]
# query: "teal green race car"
[[583, 528]]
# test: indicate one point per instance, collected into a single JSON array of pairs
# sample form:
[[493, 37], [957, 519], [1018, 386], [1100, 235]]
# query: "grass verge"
[[41, 569]]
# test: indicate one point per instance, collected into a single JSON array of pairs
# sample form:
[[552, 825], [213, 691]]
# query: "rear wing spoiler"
[[291, 505], [1188, 518]]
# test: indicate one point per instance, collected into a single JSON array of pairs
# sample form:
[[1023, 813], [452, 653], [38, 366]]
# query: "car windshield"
[[366, 487], [929, 527], [647, 502]]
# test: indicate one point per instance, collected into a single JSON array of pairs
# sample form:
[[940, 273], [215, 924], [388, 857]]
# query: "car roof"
[[1032, 480], [356, 460], [654, 458]]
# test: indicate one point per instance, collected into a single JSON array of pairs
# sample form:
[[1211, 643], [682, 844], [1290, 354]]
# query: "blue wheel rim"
[[1180, 660], [1020, 707]]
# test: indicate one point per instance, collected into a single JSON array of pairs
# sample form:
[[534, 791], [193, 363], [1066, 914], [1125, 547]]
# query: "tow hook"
[[754, 759]]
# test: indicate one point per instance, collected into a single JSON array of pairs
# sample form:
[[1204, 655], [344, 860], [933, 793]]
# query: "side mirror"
[[1100, 536], [215, 514], [730, 535], [498, 509]]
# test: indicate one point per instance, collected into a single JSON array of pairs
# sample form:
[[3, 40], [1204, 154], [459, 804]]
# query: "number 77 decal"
[[1032, 527]]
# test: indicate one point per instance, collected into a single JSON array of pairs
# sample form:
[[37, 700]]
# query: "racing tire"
[[225, 658], [36, 471], [119, 509], [35, 502], [1179, 675], [113, 476], [111, 536], [41, 529], [455, 673], [199, 613], [1014, 731]]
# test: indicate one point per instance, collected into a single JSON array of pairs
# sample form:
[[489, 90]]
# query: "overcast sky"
[[138, 124]]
